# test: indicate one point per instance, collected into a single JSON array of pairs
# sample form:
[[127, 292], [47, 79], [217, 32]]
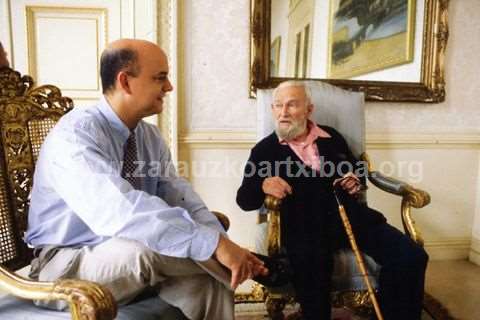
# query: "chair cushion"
[[149, 309], [346, 273]]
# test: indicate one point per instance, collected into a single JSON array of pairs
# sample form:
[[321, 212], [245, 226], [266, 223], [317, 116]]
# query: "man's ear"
[[310, 108], [123, 82]]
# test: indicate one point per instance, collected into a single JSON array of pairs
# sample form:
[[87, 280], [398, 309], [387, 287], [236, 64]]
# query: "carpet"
[[433, 310]]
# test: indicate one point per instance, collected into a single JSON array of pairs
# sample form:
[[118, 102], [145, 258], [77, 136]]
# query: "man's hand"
[[240, 261], [277, 187], [350, 183]]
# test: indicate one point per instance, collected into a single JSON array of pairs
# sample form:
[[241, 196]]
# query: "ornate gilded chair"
[[343, 110], [26, 116]]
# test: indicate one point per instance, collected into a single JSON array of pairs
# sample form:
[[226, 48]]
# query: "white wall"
[[320, 39], [217, 120], [475, 247], [279, 28]]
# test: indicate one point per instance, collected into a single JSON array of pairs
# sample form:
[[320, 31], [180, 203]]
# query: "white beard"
[[294, 130]]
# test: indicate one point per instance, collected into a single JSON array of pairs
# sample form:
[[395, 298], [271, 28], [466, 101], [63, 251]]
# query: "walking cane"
[[358, 256]]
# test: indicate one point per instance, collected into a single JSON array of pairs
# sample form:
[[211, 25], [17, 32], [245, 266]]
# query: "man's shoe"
[[279, 271]]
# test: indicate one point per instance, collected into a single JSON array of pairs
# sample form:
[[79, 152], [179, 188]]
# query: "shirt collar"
[[314, 132], [113, 120]]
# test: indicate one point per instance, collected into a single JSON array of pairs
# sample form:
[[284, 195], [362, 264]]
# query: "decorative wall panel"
[[77, 33]]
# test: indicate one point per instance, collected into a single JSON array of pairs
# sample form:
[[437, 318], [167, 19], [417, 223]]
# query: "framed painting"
[[369, 35], [422, 80]]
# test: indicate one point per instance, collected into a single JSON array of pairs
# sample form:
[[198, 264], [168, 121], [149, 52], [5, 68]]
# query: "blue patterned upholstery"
[[152, 308]]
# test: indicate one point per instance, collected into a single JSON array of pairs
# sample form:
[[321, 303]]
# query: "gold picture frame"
[[430, 88], [363, 41]]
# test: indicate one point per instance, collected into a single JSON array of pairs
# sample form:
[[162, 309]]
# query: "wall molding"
[[167, 37], [211, 139], [90, 89], [218, 140], [448, 249], [474, 255], [461, 140]]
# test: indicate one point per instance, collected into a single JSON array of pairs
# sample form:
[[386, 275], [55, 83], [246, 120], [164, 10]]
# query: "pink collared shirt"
[[307, 150]]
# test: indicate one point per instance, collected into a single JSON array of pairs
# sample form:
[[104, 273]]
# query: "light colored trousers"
[[200, 289]]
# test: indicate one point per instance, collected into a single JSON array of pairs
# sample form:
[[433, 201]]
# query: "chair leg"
[[275, 307]]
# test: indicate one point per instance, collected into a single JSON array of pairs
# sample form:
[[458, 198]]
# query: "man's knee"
[[209, 286], [420, 257], [201, 296], [118, 259], [151, 265], [414, 257]]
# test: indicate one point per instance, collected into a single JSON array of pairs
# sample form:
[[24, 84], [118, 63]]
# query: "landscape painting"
[[369, 35]]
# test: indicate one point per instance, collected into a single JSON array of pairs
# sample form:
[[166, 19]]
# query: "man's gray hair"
[[295, 83]]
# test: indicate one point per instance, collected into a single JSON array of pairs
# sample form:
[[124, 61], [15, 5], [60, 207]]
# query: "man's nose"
[[168, 86], [284, 110]]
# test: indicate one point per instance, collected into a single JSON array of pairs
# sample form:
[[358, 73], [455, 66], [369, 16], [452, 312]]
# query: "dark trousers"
[[401, 282]]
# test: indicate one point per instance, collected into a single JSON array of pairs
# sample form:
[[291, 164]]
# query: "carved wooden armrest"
[[87, 300], [223, 219], [411, 197]]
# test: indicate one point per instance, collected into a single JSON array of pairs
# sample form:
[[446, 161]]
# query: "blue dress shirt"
[[79, 197]]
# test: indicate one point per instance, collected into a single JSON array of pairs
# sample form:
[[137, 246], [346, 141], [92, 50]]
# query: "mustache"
[[295, 129]]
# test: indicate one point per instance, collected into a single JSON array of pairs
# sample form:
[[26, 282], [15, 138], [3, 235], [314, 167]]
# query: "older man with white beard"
[[311, 227]]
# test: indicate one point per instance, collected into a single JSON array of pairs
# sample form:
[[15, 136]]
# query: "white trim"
[[127, 19], [474, 255], [218, 139], [250, 309], [239, 139], [448, 249], [173, 106], [423, 140]]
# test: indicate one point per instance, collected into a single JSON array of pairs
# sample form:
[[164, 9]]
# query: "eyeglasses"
[[292, 104]]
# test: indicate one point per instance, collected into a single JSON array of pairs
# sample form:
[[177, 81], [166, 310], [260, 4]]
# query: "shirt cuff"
[[204, 243]]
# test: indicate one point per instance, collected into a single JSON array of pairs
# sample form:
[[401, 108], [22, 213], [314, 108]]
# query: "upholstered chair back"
[[334, 107]]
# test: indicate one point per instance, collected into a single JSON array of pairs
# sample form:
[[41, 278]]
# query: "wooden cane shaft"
[[359, 258]]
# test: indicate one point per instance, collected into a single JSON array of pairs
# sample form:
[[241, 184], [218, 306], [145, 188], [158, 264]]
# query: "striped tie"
[[129, 168]]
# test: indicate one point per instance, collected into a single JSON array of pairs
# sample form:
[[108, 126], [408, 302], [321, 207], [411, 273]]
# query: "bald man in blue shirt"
[[91, 219]]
